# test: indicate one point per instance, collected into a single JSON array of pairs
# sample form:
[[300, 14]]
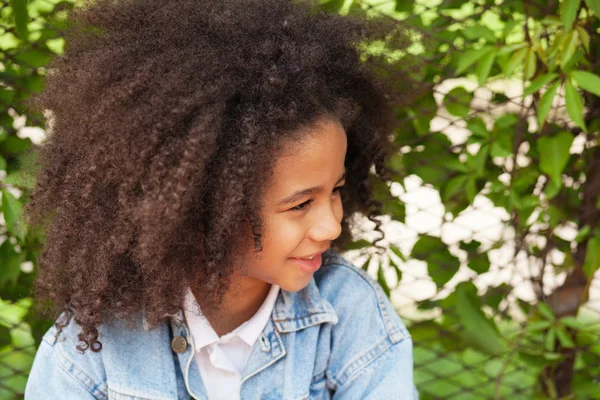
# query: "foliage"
[[29, 39], [534, 154]]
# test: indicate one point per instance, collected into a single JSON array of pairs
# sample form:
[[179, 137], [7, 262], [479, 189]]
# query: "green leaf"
[[574, 105], [516, 59], [572, 322], [541, 53], [475, 32], [470, 57], [397, 252], [382, 281], [564, 338], [538, 83], [510, 25], [478, 329], [455, 185], [441, 264], [471, 190], [477, 162], [594, 5], [365, 265], [568, 12], [21, 336], [530, 64], [551, 356], [19, 8], [584, 36], [552, 189], [550, 340], [458, 102], [582, 234], [554, 155], [587, 81], [359, 244], [20, 179], [592, 257], [10, 263], [538, 326], [546, 103], [404, 6], [510, 48], [396, 268], [423, 112], [500, 149], [13, 214], [6, 96], [478, 128], [484, 66], [331, 6], [395, 209], [11, 314], [453, 164], [569, 47], [545, 311], [478, 262], [34, 58]]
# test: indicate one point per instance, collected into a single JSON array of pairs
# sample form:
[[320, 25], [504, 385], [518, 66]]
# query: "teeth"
[[309, 258]]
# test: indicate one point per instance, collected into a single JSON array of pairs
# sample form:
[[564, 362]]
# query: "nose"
[[326, 225]]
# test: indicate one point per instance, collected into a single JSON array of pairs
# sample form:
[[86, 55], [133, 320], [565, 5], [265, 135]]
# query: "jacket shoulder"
[[369, 336], [59, 367], [354, 294]]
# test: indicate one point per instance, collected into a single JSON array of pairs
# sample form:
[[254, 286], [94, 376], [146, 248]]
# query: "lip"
[[308, 266], [312, 255]]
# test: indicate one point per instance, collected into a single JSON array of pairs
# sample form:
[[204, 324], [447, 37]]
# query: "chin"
[[294, 287]]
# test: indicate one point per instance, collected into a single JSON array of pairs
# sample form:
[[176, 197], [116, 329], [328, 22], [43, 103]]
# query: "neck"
[[240, 303]]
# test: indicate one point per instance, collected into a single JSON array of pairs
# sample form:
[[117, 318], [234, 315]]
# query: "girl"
[[203, 164]]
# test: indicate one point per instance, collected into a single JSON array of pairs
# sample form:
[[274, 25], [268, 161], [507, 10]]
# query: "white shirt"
[[221, 360]]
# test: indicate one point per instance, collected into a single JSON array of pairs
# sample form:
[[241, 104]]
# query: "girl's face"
[[302, 208]]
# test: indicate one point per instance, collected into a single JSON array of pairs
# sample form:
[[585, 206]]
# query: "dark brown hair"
[[165, 120]]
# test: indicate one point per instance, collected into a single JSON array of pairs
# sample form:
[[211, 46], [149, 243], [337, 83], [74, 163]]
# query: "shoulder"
[[369, 337], [60, 368], [355, 295]]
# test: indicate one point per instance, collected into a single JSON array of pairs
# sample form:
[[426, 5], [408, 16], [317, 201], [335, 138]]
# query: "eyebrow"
[[301, 193]]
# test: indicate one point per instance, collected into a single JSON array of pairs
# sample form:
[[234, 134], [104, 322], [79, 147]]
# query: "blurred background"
[[492, 234]]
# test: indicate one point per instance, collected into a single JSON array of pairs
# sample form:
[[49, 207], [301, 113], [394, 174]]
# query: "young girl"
[[203, 164]]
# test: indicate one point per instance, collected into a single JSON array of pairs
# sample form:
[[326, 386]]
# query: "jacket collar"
[[298, 310], [293, 311]]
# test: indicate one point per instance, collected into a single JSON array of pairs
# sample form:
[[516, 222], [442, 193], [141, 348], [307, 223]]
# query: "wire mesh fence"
[[491, 234]]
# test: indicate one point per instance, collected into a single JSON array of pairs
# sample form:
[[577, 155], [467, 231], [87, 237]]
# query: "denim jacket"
[[338, 338]]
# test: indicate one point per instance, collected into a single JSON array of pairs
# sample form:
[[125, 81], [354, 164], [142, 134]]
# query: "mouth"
[[310, 256], [309, 263]]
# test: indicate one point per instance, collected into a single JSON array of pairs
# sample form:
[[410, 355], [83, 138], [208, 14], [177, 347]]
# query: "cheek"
[[282, 235]]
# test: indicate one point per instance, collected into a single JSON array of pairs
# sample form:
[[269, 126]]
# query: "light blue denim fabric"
[[338, 338]]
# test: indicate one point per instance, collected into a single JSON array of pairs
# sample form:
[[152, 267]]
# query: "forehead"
[[319, 155]]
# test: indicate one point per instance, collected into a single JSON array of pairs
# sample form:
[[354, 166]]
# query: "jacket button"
[[178, 344]]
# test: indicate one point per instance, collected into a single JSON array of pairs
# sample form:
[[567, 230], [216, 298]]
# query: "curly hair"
[[165, 121]]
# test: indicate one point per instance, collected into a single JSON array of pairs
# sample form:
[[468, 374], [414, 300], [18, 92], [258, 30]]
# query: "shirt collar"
[[249, 331]]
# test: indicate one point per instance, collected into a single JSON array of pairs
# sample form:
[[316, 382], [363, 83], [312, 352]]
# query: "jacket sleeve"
[[371, 349], [55, 376], [389, 376]]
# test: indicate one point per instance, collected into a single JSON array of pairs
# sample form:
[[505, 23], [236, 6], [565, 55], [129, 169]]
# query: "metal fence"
[[488, 276]]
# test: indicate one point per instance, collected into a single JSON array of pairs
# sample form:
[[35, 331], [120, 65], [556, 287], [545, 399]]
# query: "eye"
[[304, 206], [301, 207], [337, 189]]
